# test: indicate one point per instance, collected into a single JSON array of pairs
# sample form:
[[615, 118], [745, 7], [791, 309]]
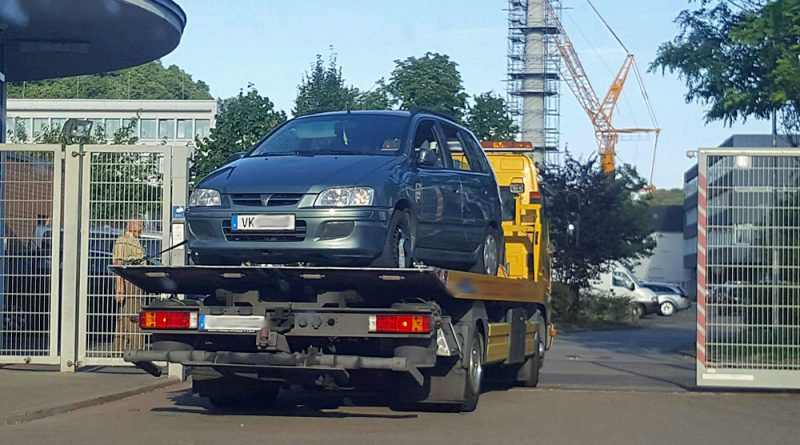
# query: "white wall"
[[666, 263]]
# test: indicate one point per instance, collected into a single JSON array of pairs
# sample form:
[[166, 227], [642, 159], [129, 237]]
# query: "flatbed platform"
[[422, 282]]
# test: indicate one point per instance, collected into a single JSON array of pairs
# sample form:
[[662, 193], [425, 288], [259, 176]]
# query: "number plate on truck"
[[262, 223], [231, 323]]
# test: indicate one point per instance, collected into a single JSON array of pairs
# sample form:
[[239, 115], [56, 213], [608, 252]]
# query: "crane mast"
[[600, 112]]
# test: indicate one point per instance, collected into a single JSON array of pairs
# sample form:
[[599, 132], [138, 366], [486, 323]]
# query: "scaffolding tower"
[[533, 80]]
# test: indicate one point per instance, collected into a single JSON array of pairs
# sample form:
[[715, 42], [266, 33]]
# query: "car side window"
[[475, 152], [455, 145], [425, 138], [619, 279]]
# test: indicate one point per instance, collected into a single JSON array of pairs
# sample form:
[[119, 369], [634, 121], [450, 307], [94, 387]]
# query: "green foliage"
[[610, 224], [490, 119], [149, 81], [667, 197], [377, 98], [563, 298], [740, 58], [432, 82], [324, 89], [242, 121]]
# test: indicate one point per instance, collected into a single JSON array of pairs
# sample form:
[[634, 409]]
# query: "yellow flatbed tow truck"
[[423, 336]]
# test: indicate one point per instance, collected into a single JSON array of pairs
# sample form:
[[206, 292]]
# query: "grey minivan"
[[367, 188]]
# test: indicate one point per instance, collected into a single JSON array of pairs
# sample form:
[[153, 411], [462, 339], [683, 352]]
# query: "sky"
[[271, 43]]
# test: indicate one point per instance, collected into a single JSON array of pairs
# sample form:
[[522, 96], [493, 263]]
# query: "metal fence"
[[66, 213], [30, 196], [749, 268]]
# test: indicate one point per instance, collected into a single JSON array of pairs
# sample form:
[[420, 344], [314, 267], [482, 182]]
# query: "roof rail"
[[439, 113]]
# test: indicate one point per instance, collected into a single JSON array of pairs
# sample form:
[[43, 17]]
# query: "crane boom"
[[600, 112]]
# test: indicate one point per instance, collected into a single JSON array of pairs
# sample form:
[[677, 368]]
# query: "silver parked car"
[[671, 297]]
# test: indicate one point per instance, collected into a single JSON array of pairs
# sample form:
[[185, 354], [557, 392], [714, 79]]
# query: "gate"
[[748, 277], [64, 213], [30, 206]]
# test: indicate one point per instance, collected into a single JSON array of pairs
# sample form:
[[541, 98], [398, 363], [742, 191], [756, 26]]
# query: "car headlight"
[[205, 198], [345, 197]]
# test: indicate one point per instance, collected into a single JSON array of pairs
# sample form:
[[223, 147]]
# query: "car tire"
[[639, 310], [399, 243], [489, 254], [472, 387], [667, 309]]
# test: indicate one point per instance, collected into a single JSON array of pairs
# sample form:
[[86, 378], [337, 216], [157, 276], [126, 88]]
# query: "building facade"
[[153, 121]]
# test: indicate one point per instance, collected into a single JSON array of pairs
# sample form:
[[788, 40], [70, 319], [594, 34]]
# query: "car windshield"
[[341, 134]]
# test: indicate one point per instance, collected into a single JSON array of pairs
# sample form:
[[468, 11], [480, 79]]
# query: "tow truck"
[[423, 336]]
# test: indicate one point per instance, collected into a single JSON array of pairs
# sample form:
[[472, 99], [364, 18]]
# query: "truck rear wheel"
[[472, 388], [528, 373]]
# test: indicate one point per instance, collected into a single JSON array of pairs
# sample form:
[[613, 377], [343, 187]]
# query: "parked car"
[[372, 188], [671, 297], [620, 281]]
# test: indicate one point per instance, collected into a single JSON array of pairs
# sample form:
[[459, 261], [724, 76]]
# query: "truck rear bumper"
[[283, 365]]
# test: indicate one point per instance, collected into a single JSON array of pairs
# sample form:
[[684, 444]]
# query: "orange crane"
[[600, 112]]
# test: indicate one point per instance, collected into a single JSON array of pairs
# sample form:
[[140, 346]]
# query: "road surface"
[[612, 387]]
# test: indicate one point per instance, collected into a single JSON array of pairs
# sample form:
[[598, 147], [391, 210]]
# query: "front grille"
[[272, 200], [299, 233]]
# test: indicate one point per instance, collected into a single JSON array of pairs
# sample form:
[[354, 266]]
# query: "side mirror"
[[238, 155], [426, 157], [631, 286]]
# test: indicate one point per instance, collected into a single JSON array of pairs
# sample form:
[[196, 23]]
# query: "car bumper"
[[650, 307], [322, 236]]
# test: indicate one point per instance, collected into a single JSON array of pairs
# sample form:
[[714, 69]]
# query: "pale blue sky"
[[272, 42]]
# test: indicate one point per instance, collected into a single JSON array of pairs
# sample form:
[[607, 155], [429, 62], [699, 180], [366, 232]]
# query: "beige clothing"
[[128, 249]]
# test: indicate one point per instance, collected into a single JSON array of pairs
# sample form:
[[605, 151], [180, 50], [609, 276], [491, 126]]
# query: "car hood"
[[295, 174]]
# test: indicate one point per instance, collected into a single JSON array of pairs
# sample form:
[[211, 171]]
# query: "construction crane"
[[600, 112]]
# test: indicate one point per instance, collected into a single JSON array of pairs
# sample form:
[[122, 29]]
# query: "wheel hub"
[[490, 254]]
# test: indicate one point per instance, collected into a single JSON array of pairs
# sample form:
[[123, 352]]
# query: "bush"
[[562, 300], [593, 308]]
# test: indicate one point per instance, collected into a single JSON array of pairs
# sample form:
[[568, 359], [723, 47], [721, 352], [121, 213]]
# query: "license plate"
[[262, 222], [231, 323]]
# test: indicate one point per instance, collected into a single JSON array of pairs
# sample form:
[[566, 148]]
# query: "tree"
[[594, 219], [490, 119], [669, 197], [432, 82], [324, 89], [740, 57], [377, 98], [242, 121], [149, 81]]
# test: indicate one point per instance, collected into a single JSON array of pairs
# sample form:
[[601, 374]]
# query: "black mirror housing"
[[426, 157], [238, 155]]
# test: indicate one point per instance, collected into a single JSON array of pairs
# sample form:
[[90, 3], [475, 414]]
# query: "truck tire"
[[398, 245], [528, 373], [472, 387], [489, 254]]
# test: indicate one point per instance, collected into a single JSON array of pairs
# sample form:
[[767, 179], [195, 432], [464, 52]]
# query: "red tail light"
[[535, 197], [400, 324], [168, 320]]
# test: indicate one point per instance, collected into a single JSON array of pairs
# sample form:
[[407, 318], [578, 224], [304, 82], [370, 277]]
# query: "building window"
[[691, 217], [149, 130], [57, 122], [24, 124], [202, 128], [134, 123], [112, 127], [184, 129], [166, 129], [9, 124], [689, 246], [39, 124]]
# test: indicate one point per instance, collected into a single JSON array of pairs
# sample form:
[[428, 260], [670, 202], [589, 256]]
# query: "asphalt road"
[[610, 387]]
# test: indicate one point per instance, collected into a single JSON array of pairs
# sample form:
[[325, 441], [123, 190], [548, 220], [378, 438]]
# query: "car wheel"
[[489, 254], [398, 245], [638, 310], [667, 308], [472, 390]]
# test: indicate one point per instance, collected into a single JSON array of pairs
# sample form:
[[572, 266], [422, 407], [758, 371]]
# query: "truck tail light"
[[535, 197], [168, 320], [400, 324]]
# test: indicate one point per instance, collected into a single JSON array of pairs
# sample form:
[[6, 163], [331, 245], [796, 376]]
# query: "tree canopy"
[[324, 89], [490, 119], [242, 121], [594, 219], [431, 81], [666, 197], [149, 81], [740, 58]]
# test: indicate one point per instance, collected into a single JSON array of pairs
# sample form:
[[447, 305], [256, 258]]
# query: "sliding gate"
[[748, 277]]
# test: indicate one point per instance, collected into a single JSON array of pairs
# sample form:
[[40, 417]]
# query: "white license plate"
[[262, 222], [231, 323]]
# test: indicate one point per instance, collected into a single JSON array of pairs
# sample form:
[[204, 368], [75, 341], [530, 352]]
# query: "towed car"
[[374, 188]]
